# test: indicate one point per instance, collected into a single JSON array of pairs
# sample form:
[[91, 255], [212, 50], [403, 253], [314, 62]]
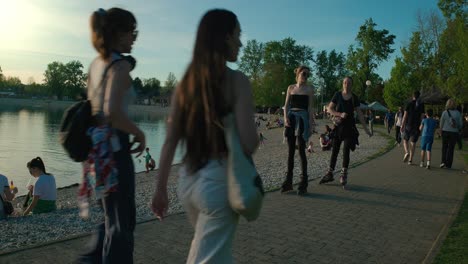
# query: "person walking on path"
[[299, 125], [208, 92], [389, 120], [370, 119], [427, 127], [110, 91], [343, 105], [398, 123], [450, 124], [262, 139], [414, 113], [149, 161]]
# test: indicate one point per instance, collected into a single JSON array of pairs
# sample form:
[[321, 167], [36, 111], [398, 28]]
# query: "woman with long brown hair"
[[208, 91], [299, 124]]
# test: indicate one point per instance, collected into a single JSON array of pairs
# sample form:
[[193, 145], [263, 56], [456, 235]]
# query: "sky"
[[35, 33]]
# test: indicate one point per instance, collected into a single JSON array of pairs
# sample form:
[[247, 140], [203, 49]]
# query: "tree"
[[454, 8], [372, 48], [397, 89], [64, 79], [251, 62], [1, 77], [280, 60], [75, 79], [330, 69], [170, 83], [151, 87]]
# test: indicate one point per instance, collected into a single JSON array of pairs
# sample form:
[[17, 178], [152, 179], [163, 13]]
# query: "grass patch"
[[455, 246]]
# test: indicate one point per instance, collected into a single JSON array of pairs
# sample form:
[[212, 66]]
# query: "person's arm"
[[403, 121], [286, 106], [421, 126], [32, 205], [332, 105], [244, 112], [442, 120], [9, 194], [311, 110], [117, 86]]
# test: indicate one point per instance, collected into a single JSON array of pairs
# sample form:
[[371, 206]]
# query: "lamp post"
[[368, 84]]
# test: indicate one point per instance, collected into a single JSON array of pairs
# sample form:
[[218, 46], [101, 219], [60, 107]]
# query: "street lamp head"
[[368, 83]]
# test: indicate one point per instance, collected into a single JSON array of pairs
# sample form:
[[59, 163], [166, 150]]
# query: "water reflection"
[[28, 132]]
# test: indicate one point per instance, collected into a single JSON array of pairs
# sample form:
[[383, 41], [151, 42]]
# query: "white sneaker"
[[442, 165], [421, 164], [406, 157]]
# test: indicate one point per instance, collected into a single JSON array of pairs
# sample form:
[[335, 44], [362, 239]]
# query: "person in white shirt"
[[398, 123], [44, 192], [450, 124]]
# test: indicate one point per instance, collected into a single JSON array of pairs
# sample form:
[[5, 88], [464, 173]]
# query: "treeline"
[[270, 66], [435, 61], [68, 81]]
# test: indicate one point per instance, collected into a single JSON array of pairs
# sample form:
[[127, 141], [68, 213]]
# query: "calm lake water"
[[28, 132]]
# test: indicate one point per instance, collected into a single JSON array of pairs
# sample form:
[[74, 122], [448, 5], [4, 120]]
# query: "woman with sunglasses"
[[299, 124], [110, 91]]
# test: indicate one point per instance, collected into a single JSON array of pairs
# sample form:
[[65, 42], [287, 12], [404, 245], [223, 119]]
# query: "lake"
[[28, 132]]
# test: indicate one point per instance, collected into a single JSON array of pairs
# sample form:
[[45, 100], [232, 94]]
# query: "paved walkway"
[[393, 213]]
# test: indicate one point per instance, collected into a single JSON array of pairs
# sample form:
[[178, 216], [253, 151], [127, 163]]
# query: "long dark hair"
[[37, 163], [199, 97], [106, 25]]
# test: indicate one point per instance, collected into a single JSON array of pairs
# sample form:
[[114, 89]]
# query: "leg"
[[451, 148], [405, 146], [93, 252], [412, 149], [304, 177], [422, 156], [445, 139], [287, 184], [344, 169], [428, 159], [397, 135], [216, 221], [336, 144]]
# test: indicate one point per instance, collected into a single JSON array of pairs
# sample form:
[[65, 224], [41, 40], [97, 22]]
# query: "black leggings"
[[336, 149], [302, 154]]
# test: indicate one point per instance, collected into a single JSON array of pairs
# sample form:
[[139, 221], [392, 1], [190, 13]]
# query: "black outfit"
[[414, 110], [346, 132], [302, 102], [113, 241], [449, 140]]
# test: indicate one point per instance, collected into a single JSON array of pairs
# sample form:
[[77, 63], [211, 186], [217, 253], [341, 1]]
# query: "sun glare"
[[17, 22]]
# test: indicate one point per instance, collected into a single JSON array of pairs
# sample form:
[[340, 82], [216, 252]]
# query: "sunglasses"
[[135, 34]]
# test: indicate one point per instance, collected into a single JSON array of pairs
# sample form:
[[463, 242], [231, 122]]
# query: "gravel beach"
[[18, 232]]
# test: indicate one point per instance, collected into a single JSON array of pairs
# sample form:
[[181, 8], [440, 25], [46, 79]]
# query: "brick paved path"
[[393, 213]]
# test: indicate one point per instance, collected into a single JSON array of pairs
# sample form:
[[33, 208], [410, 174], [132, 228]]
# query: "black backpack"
[[76, 121]]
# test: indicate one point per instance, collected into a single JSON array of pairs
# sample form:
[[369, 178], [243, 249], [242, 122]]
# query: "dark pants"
[[449, 139], [389, 126], [460, 141], [292, 139], [113, 240], [336, 149], [398, 134]]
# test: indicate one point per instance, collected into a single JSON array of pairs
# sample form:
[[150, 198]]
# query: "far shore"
[[57, 104]]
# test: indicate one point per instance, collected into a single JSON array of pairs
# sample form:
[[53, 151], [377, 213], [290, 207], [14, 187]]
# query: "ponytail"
[[105, 27], [37, 163]]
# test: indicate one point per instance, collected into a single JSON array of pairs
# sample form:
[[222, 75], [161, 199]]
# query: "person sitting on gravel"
[[44, 192], [6, 194], [325, 142]]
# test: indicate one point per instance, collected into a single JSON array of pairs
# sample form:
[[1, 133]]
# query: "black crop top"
[[299, 101]]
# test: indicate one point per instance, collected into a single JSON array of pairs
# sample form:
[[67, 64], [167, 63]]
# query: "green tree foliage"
[[1, 77], [169, 84], [454, 8], [270, 67], [64, 79], [397, 89], [372, 48], [330, 70]]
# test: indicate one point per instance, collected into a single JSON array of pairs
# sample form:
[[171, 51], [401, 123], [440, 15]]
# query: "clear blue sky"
[[37, 32]]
